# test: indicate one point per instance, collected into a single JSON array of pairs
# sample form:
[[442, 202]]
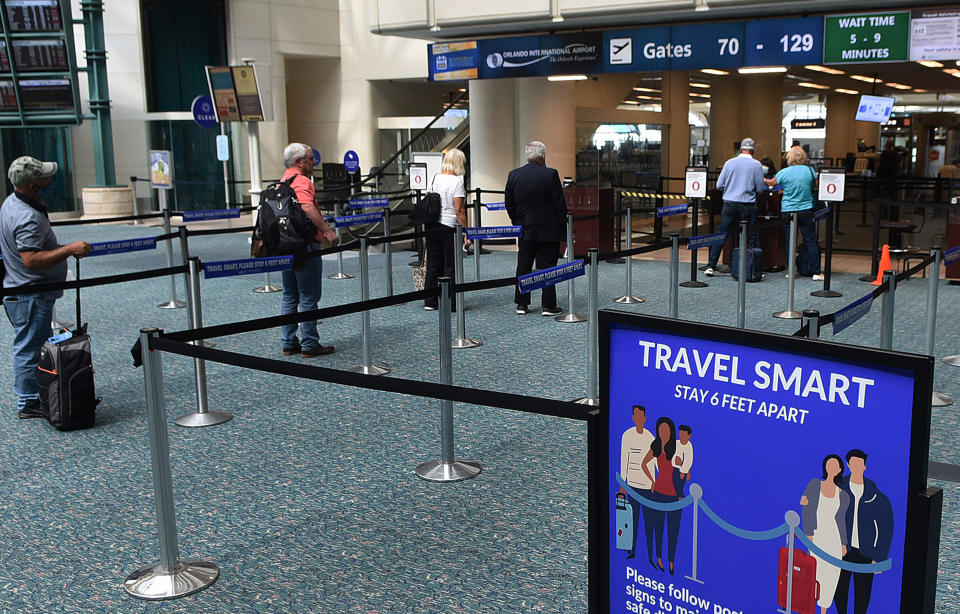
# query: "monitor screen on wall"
[[874, 109]]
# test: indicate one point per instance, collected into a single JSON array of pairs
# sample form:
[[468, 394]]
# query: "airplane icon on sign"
[[621, 50]]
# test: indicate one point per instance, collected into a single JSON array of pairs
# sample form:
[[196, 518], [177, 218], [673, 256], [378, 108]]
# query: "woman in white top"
[[448, 183], [824, 522]]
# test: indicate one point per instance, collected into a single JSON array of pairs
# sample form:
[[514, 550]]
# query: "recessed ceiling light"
[[714, 71], [760, 70], [862, 78], [898, 86], [918, 90], [952, 71], [462, 89], [645, 89], [648, 97], [698, 95], [824, 69], [930, 64], [630, 102], [815, 86], [695, 84], [844, 91], [567, 78]]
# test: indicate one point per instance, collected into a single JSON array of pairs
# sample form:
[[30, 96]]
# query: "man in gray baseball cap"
[[31, 255], [740, 180]]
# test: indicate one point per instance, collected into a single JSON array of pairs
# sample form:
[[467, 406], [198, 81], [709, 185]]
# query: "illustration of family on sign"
[[655, 466], [847, 517]]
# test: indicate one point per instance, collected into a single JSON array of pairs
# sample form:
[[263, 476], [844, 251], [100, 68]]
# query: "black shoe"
[[522, 310], [291, 351], [551, 311], [320, 350], [30, 410]]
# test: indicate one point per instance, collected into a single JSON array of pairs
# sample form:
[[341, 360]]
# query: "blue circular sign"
[[316, 156], [351, 161], [203, 112]]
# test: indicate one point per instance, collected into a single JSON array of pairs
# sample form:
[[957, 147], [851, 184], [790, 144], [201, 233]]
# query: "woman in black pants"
[[453, 198]]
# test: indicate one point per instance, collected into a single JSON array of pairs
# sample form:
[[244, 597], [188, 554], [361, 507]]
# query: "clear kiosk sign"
[[729, 453], [872, 37]]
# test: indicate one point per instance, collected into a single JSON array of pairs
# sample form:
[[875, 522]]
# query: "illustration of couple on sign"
[[848, 517], [656, 466]]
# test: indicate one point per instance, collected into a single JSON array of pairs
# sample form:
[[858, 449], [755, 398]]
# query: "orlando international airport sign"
[[724, 457]]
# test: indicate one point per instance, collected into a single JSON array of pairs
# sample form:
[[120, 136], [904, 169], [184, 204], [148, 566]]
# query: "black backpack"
[[282, 229], [65, 377]]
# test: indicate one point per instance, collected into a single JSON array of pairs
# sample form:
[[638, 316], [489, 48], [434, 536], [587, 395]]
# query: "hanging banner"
[[828, 487], [248, 266], [104, 248], [548, 277]]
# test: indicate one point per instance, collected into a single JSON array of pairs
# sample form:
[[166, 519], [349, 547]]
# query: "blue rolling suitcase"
[[754, 255], [624, 523]]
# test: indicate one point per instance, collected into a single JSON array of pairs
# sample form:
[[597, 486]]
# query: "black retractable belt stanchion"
[[571, 316], [418, 240], [477, 203], [171, 577], [789, 313], [339, 274], [742, 279], [811, 318], [828, 260], [593, 393], [886, 310], [388, 250], [939, 399], [203, 416], [185, 256], [628, 298], [874, 247], [674, 274], [172, 303], [694, 231], [619, 227], [447, 469], [462, 341], [367, 367]]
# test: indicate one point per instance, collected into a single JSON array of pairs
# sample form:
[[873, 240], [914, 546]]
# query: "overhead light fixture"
[[952, 71], [862, 78], [701, 5], [714, 71], [630, 102], [761, 70], [845, 91], [824, 69], [695, 84], [462, 89], [918, 90], [648, 97], [930, 64], [567, 78], [698, 95], [815, 86], [645, 89], [898, 86]]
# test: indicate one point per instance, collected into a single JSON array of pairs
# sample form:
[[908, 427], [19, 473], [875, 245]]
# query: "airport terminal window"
[[46, 144], [618, 154]]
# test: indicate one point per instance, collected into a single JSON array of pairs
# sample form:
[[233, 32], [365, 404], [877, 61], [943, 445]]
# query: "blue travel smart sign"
[[247, 266], [548, 277], [104, 248]]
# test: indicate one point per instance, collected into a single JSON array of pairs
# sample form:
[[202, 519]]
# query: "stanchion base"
[[154, 584], [693, 284], [867, 277], [826, 293], [267, 289], [628, 300], [464, 343], [940, 400], [592, 401], [570, 318], [953, 361], [694, 579], [788, 315], [438, 471], [172, 305], [346, 275], [369, 370], [209, 418]]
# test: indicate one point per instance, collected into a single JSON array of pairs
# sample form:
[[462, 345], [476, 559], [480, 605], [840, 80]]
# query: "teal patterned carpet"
[[307, 499]]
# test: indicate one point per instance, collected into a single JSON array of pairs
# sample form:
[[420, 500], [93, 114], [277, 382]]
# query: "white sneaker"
[[818, 277], [709, 272]]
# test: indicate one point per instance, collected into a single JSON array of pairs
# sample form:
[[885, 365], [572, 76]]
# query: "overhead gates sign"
[[833, 39], [721, 443]]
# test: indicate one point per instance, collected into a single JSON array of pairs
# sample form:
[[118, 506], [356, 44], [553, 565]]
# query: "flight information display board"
[[38, 72]]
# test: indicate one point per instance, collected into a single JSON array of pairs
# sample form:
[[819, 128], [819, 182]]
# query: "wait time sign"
[[873, 37]]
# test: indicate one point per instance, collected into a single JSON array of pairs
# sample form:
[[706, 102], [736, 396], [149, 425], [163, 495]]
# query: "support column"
[[547, 112], [843, 130], [726, 109], [493, 148], [762, 114], [676, 141]]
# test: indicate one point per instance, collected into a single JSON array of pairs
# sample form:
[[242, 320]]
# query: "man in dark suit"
[[534, 200]]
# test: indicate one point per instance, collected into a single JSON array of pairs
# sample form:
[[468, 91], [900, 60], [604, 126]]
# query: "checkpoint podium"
[[588, 200]]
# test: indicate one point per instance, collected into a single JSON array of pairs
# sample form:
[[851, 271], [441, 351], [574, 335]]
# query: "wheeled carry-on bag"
[[754, 257], [806, 589], [624, 523]]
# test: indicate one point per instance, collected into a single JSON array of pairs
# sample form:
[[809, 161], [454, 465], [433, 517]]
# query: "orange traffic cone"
[[884, 265]]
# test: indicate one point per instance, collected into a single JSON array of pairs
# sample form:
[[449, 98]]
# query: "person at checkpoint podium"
[[533, 198], [448, 183], [740, 181], [302, 286], [798, 179], [31, 255]]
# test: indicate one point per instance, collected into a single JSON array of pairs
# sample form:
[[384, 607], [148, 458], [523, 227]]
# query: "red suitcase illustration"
[[806, 589]]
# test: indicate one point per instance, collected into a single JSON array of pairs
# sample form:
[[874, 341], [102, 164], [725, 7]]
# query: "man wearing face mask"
[[31, 255]]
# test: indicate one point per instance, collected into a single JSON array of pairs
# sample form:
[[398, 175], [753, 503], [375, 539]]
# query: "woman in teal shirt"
[[797, 180]]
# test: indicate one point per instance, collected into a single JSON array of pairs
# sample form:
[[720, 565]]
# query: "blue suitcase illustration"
[[624, 523]]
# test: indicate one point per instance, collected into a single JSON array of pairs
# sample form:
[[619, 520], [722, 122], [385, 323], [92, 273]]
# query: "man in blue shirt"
[[740, 181], [31, 255]]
